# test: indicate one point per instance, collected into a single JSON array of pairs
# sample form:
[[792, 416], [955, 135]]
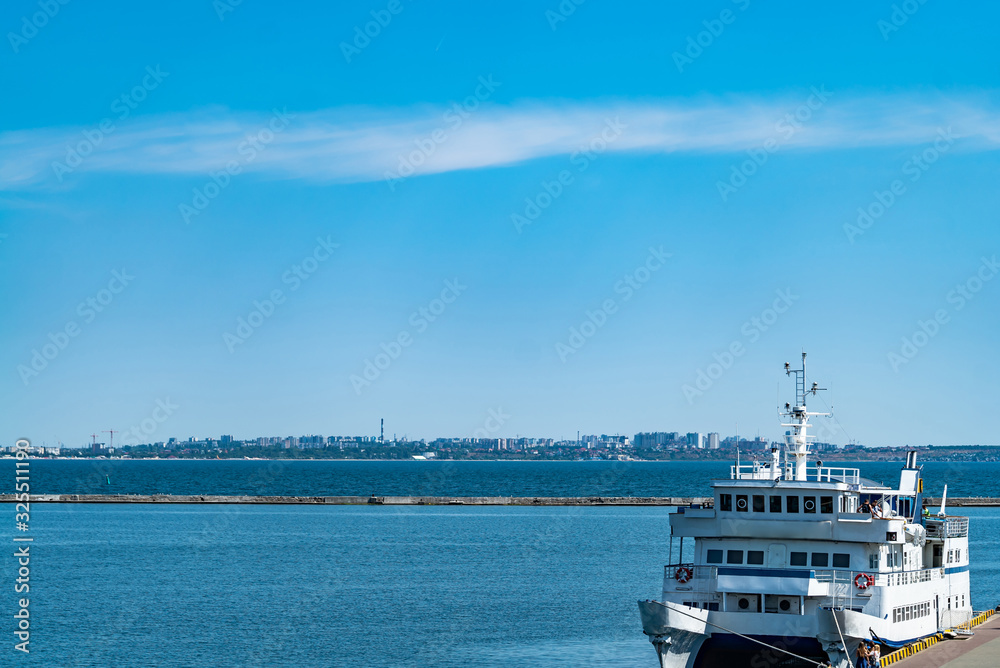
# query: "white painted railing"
[[947, 527]]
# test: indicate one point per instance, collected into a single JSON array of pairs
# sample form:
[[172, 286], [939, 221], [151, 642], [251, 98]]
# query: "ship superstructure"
[[792, 564]]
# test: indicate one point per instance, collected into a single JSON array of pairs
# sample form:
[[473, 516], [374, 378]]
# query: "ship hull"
[[686, 637]]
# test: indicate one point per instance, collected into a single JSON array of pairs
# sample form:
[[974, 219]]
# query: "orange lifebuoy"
[[683, 574], [863, 581]]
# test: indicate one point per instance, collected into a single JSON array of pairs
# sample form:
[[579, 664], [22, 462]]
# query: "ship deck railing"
[[762, 471], [947, 527], [842, 591]]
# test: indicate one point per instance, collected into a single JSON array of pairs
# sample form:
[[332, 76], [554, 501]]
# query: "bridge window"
[[725, 502], [821, 559], [775, 504], [841, 561], [797, 558], [755, 557], [826, 504], [741, 503], [809, 504], [714, 557], [734, 556], [792, 504], [758, 503]]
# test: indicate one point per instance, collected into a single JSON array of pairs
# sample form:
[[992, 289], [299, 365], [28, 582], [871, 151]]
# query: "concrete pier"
[[980, 651], [419, 500]]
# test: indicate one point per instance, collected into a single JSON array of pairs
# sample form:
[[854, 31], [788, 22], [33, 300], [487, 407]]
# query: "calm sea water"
[[471, 478], [150, 585]]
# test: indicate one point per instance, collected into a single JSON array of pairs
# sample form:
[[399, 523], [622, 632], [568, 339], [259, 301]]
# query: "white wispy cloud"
[[362, 144]]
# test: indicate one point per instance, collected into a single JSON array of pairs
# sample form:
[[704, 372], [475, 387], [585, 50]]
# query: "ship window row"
[[704, 605], [819, 559], [907, 612], [753, 557], [756, 558], [776, 503], [954, 556]]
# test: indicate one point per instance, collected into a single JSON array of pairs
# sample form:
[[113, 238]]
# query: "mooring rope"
[[847, 652], [759, 642]]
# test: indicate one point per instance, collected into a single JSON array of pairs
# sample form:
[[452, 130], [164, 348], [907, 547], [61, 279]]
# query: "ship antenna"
[[797, 442]]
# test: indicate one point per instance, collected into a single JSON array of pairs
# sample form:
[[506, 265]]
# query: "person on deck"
[[875, 655]]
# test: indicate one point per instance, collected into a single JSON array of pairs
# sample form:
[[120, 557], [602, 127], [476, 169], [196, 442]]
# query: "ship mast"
[[797, 442]]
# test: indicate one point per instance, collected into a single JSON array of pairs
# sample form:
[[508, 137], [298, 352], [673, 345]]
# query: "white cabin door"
[[776, 555]]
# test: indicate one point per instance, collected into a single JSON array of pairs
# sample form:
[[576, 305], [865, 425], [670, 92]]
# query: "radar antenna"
[[797, 440]]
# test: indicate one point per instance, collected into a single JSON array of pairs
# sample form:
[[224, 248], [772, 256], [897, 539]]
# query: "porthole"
[[741, 503], [810, 504], [744, 604]]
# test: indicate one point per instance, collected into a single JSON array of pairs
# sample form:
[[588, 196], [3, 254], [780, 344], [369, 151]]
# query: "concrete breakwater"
[[366, 500], [420, 500]]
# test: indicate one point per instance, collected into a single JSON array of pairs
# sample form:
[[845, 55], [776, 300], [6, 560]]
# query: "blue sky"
[[606, 168]]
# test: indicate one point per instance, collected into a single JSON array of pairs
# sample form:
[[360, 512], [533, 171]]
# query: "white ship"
[[795, 565]]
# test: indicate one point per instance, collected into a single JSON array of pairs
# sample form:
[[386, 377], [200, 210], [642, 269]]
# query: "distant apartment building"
[[756, 444], [655, 439], [696, 439], [311, 441], [713, 441]]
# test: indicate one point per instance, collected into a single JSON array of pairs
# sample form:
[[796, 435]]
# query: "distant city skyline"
[[510, 219], [689, 440]]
